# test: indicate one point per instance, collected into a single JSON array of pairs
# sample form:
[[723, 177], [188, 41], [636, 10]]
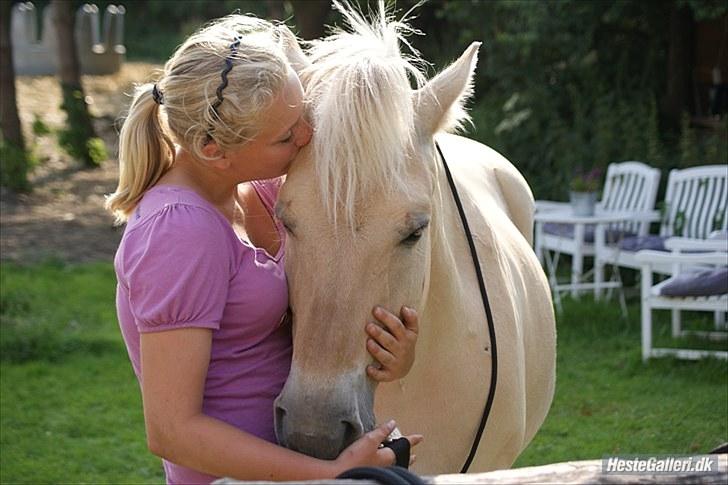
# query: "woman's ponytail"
[[145, 153]]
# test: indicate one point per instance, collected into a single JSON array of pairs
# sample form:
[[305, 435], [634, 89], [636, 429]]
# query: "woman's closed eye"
[[288, 138]]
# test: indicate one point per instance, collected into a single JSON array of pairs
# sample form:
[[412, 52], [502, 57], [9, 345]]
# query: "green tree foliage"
[[561, 86], [583, 71], [167, 23], [705, 9], [567, 85]]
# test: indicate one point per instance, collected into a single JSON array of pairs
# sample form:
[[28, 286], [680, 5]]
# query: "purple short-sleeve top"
[[180, 264]]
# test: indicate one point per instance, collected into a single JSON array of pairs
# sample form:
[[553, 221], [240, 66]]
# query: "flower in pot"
[[583, 194]]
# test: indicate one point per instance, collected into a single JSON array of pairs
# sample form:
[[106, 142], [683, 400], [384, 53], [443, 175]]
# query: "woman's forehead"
[[285, 110]]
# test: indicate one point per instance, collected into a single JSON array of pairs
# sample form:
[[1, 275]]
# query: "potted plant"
[[583, 194]]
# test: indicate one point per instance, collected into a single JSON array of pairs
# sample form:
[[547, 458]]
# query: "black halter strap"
[[488, 314]]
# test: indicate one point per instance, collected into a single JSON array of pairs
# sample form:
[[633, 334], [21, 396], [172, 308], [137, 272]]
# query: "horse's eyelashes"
[[414, 236], [288, 229]]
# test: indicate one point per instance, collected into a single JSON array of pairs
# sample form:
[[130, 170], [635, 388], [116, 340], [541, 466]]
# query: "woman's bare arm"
[[174, 365]]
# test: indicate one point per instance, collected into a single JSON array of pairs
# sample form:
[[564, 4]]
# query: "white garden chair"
[[698, 281], [694, 208], [630, 188]]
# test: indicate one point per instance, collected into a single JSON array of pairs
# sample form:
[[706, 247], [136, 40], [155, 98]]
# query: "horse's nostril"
[[351, 433], [279, 415]]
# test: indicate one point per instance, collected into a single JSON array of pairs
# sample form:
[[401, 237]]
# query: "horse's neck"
[[449, 294]]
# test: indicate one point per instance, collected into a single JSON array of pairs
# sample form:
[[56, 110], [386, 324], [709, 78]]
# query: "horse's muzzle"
[[321, 421]]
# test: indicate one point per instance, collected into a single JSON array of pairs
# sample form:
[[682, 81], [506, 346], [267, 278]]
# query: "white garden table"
[[563, 214]]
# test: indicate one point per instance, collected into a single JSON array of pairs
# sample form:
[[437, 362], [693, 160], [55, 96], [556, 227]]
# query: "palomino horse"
[[371, 221]]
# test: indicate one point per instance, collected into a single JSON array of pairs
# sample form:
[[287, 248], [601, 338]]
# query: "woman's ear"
[[215, 157]]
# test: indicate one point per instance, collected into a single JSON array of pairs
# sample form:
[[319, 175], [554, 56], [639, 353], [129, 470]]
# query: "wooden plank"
[[577, 472]]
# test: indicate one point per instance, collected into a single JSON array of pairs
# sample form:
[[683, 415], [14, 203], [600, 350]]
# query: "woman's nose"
[[303, 133]]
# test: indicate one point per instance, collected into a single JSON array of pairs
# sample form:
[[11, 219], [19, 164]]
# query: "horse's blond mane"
[[359, 91]]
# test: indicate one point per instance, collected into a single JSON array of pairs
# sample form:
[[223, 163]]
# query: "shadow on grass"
[[53, 310], [26, 342]]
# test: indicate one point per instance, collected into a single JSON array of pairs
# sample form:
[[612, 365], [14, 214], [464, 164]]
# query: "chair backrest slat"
[[709, 209], [630, 187], [695, 202], [631, 196]]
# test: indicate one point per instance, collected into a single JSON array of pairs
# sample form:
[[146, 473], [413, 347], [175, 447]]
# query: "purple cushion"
[[567, 230], [638, 243], [698, 283]]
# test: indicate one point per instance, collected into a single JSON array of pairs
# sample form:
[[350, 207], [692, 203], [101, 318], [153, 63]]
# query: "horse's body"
[[444, 395], [340, 267]]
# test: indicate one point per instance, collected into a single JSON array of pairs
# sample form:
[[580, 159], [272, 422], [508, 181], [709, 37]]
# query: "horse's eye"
[[415, 236], [288, 229]]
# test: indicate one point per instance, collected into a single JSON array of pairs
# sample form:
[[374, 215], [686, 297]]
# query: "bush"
[[14, 166], [77, 138], [39, 126], [97, 150]]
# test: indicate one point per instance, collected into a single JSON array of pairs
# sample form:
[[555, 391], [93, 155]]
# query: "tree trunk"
[[310, 17], [79, 130], [14, 160], [679, 64]]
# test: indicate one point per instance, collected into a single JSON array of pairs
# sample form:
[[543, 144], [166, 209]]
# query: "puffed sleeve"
[[178, 268]]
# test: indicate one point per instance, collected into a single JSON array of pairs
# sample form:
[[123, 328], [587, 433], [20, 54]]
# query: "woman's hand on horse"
[[392, 343], [366, 451]]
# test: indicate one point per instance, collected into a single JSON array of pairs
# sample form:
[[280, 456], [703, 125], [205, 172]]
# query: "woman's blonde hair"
[[188, 113]]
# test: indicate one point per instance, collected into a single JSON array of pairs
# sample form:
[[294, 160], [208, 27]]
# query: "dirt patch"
[[63, 217]]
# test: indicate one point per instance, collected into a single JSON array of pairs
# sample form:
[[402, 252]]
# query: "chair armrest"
[[691, 244], [646, 216], [610, 217], [657, 257]]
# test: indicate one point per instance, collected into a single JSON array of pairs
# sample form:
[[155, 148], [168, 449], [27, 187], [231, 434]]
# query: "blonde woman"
[[201, 296]]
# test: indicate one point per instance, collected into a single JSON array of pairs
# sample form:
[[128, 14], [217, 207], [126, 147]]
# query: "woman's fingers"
[[383, 337], [380, 433], [410, 319], [387, 454], [393, 347], [415, 439], [380, 353], [386, 457], [379, 374], [390, 321]]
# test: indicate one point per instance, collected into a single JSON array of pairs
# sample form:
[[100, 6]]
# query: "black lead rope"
[[393, 475], [488, 314]]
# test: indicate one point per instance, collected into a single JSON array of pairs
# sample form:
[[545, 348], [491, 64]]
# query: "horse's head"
[[357, 204]]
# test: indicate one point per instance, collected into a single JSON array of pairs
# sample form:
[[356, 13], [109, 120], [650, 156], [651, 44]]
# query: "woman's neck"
[[208, 182]]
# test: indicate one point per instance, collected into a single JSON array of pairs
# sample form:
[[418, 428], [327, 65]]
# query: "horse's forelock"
[[358, 87]]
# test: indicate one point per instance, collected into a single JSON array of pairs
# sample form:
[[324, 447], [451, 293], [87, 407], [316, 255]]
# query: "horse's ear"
[[292, 49], [439, 104]]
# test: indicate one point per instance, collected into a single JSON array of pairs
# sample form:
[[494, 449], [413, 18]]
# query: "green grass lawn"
[[609, 402], [70, 409]]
